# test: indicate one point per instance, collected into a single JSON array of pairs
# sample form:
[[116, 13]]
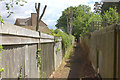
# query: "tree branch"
[[42, 13], [38, 11], [36, 6]]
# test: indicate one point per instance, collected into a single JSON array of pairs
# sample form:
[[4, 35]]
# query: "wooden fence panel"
[[20, 47], [47, 55], [12, 59], [102, 51], [32, 62]]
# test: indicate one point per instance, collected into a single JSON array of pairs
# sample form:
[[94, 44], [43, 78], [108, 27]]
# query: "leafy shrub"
[[66, 39], [111, 16]]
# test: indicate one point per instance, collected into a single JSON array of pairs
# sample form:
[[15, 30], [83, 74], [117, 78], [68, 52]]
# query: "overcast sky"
[[53, 11]]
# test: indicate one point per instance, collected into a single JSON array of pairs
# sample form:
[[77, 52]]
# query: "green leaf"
[[8, 15], [11, 12], [21, 4], [2, 21], [17, 3]]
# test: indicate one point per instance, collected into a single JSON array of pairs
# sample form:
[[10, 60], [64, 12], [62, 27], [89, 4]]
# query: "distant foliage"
[[83, 17]]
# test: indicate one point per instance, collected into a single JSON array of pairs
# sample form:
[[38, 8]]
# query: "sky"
[[53, 11]]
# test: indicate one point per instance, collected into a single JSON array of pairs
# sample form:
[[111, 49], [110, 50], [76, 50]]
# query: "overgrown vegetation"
[[66, 39], [69, 52]]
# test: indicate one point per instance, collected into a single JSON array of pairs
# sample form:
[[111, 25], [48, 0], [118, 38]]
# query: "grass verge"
[[68, 52]]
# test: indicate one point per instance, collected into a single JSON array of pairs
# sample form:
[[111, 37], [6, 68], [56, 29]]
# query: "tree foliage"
[[97, 7], [107, 5], [64, 22], [82, 17], [111, 16]]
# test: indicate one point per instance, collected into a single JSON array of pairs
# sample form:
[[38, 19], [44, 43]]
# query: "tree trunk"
[[68, 25]]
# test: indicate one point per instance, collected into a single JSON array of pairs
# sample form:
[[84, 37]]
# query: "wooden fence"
[[20, 46], [97, 25], [104, 51]]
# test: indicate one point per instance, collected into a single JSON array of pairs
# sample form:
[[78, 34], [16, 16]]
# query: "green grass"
[[69, 52]]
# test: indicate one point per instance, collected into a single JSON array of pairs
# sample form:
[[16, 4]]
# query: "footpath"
[[77, 66]]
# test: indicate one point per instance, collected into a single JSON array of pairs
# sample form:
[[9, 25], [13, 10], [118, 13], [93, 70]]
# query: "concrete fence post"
[[0, 40], [26, 75], [57, 52]]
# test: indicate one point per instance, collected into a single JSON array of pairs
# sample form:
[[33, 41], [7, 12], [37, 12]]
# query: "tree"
[[38, 14], [62, 22], [65, 21], [81, 17], [69, 16], [107, 5], [111, 16], [95, 18], [97, 7]]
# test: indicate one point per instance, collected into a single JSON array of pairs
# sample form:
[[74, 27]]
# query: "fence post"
[[38, 47], [0, 41], [26, 62], [0, 33]]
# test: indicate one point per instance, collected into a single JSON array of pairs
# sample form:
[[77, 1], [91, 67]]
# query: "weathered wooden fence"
[[104, 51], [47, 59], [20, 46], [97, 25]]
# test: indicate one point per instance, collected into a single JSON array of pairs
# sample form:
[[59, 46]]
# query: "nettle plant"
[[20, 72], [39, 62], [39, 57], [1, 68]]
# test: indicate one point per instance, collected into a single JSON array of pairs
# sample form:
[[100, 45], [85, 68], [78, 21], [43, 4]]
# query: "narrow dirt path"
[[77, 66]]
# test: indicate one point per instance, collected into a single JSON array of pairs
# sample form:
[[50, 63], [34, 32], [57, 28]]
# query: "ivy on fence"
[[1, 68]]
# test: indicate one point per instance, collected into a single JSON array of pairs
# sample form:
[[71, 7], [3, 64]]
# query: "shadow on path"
[[79, 64]]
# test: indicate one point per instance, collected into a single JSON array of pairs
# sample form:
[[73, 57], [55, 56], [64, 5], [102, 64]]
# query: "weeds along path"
[[76, 66]]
